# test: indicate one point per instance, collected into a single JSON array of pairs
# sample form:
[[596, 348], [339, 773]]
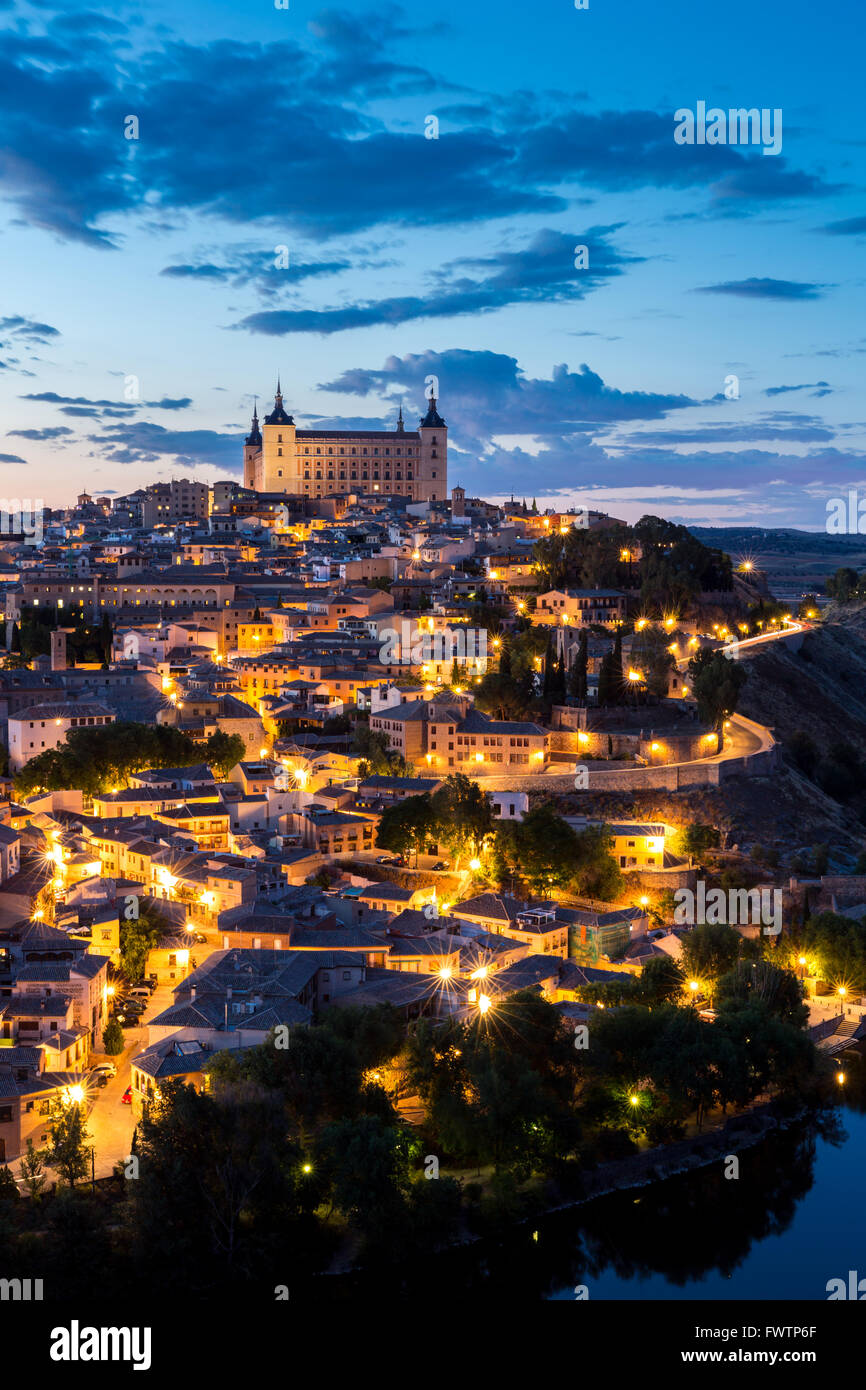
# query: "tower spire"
[[400, 420]]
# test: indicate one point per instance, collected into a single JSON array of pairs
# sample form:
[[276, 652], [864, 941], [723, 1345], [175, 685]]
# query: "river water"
[[794, 1219]]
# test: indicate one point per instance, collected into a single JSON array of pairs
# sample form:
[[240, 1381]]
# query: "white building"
[[39, 727]]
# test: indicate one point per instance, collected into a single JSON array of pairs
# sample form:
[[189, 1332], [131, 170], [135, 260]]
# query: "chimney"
[[192, 993]]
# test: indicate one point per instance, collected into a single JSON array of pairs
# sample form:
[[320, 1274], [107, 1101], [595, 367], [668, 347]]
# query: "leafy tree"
[[546, 847], [68, 1152], [223, 752], [138, 937], [716, 683], [95, 760], [779, 991], [697, 838], [112, 1037], [843, 585], [407, 825], [710, 950], [32, 1167], [8, 1186], [837, 946], [365, 1163], [222, 1194], [463, 815], [661, 981]]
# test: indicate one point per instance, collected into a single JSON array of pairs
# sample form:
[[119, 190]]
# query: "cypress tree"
[[616, 676], [505, 658], [577, 676], [559, 684], [547, 683]]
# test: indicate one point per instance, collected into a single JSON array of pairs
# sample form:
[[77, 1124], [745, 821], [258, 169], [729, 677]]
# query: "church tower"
[[252, 450], [433, 472], [279, 463]]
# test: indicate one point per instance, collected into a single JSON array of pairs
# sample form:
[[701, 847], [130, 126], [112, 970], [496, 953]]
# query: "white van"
[[140, 992]]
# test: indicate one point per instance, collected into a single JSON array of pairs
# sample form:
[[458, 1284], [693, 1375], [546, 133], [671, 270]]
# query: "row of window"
[[353, 452]]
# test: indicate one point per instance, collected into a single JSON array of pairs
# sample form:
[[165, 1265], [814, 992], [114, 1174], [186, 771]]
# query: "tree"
[[138, 937], [32, 1167], [577, 682], [546, 847], [95, 760], [68, 1152], [463, 815], [223, 752], [407, 825], [779, 991], [843, 585], [716, 682], [710, 950], [365, 1164], [8, 1190], [112, 1037], [697, 838], [661, 981]]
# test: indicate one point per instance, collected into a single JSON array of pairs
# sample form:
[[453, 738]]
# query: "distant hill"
[[782, 540]]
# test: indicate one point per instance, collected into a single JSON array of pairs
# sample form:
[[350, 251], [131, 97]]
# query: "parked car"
[[152, 981], [105, 1069], [440, 864], [126, 1098], [140, 992], [199, 938], [393, 861]]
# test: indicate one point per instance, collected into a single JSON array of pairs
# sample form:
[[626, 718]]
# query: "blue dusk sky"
[[705, 363]]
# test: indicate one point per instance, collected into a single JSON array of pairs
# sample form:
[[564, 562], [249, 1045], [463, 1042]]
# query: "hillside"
[[819, 691]]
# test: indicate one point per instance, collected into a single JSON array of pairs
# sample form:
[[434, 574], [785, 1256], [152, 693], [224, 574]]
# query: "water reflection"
[[697, 1235]]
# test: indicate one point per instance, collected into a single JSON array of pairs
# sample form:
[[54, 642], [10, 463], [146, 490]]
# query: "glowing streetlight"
[[445, 972], [644, 901], [475, 865], [694, 986], [483, 1003], [75, 1094], [634, 1100]]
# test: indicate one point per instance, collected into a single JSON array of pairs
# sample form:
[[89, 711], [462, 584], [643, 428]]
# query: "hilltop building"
[[278, 457]]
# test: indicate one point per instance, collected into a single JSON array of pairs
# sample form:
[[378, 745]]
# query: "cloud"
[[50, 432], [11, 458], [755, 288], [141, 441], [257, 266], [485, 396], [86, 408], [27, 330], [541, 272], [818, 388], [849, 226], [743, 433], [225, 135]]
